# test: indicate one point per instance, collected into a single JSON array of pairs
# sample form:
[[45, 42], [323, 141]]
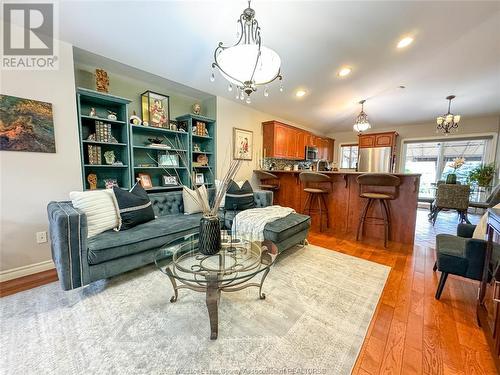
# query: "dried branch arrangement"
[[202, 199]]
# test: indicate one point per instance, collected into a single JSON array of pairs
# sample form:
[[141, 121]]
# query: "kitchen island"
[[345, 204]]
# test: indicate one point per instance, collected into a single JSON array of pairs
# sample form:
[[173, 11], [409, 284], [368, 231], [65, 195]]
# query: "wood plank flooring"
[[411, 332]]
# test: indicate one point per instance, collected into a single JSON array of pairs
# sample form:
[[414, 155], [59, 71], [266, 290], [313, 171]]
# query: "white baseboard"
[[30, 269]]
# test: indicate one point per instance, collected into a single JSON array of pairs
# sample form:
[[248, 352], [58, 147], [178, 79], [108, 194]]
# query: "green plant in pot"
[[482, 175], [455, 164]]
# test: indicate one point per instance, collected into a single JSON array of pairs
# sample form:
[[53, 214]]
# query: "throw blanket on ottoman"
[[249, 224]]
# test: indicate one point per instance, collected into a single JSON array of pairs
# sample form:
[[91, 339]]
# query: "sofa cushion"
[[281, 229], [153, 234], [135, 206]]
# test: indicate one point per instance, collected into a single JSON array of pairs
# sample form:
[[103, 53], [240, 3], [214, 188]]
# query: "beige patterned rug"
[[318, 308]]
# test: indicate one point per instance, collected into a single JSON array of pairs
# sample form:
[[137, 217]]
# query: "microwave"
[[311, 153]]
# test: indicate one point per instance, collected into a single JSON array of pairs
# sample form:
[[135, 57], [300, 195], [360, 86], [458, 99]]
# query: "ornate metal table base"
[[213, 290]]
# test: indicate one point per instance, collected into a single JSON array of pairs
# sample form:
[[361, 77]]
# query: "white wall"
[[468, 126], [231, 114], [29, 180]]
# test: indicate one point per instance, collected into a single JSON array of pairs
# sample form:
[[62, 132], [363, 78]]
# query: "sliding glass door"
[[433, 160]]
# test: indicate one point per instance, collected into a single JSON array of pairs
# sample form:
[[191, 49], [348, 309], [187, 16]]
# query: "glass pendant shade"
[[362, 127], [237, 64]]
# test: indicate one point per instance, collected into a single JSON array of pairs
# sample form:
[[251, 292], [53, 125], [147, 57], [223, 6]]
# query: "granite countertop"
[[339, 172]]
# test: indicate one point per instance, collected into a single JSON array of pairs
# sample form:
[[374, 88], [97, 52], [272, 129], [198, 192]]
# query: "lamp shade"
[[237, 64]]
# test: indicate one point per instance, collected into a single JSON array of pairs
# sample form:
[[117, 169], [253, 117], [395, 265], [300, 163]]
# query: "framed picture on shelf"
[[242, 144], [145, 180], [169, 180], [168, 160], [155, 109], [199, 179]]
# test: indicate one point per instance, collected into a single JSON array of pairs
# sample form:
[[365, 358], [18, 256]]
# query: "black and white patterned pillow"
[[239, 199], [134, 205]]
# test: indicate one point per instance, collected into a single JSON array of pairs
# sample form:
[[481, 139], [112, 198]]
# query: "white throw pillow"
[[101, 209], [192, 205], [481, 227]]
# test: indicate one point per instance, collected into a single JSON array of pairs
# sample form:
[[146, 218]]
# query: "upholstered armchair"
[[451, 197], [459, 255]]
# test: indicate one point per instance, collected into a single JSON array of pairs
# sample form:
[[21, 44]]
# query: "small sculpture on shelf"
[[112, 115], [92, 180], [135, 120], [92, 112], [109, 183], [110, 157], [101, 80], [196, 147], [196, 108]]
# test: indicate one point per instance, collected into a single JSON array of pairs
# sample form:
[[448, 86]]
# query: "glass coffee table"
[[232, 269]]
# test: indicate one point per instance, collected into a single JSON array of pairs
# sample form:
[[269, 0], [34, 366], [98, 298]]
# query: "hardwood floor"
[[411, 332], [27, 282]]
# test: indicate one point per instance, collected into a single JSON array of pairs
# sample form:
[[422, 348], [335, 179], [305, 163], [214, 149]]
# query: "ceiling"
[[456, 51]]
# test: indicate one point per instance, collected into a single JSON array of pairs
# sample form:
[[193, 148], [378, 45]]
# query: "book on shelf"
[[94, 154], [160, 145], [102, 132]]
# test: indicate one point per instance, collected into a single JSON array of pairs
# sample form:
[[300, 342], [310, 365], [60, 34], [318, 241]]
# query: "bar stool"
[[263, 176], [377, 180], [317, 194]]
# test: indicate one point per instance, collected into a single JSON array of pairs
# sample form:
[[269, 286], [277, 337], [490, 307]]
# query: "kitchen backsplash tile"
[[280, 164]]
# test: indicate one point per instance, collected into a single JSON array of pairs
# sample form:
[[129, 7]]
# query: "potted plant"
[[455, 164], [482, 175]]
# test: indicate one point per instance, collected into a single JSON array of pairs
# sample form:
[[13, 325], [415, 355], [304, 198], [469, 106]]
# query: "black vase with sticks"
[[209, 241]]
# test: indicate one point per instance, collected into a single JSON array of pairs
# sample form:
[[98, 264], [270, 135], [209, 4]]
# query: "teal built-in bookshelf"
[[93, 110], [190, 150]]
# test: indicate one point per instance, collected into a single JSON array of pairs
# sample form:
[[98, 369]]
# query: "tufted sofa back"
[[170, 203]]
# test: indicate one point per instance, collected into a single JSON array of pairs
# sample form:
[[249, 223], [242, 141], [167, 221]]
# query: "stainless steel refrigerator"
[[375, 159]]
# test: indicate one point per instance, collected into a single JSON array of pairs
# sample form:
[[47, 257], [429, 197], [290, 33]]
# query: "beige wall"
[[231, 114], [30, 180], [468, 126]]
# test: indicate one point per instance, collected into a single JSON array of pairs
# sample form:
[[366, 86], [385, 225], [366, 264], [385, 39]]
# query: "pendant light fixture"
[[448, 122], [247, 64], [361, 124]]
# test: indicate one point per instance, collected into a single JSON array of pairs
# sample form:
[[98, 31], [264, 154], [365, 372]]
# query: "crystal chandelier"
[[361, 124], [247, 64], [447, 122]]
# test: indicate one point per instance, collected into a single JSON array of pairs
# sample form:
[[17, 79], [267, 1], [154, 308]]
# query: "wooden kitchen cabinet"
[[386, 139], [288, 142]]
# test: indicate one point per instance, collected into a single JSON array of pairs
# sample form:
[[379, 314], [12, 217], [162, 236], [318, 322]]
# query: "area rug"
[[314, 319]]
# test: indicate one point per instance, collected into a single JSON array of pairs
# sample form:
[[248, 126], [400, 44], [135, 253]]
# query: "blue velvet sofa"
[[80, 260]]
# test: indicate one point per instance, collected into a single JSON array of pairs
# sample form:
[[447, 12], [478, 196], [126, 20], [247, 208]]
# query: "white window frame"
[[339, 159], [489, 154]]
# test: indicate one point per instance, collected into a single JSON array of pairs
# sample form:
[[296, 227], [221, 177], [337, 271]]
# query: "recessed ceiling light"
[[405, 42], [300, 93], [345, 71]]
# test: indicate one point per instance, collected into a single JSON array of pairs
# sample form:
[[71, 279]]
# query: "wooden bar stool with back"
[[379, 187], [268, 181], [315, 193]]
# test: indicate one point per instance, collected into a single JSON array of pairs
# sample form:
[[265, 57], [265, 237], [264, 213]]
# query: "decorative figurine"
[[110, 182], [134, 119], [196, 147], [112, 115], [196, 108], [101, 80], [109, 156], [92, 112], [92, 179]]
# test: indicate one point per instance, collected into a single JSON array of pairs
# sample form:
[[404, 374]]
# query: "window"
[[433, 160], [349, 156]]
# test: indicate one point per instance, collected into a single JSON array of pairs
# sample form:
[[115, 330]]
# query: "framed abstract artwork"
[[26, 125], [242, 144]]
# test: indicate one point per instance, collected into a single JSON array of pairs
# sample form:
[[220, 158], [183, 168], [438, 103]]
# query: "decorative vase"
[[451, 178], [209, 242]]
